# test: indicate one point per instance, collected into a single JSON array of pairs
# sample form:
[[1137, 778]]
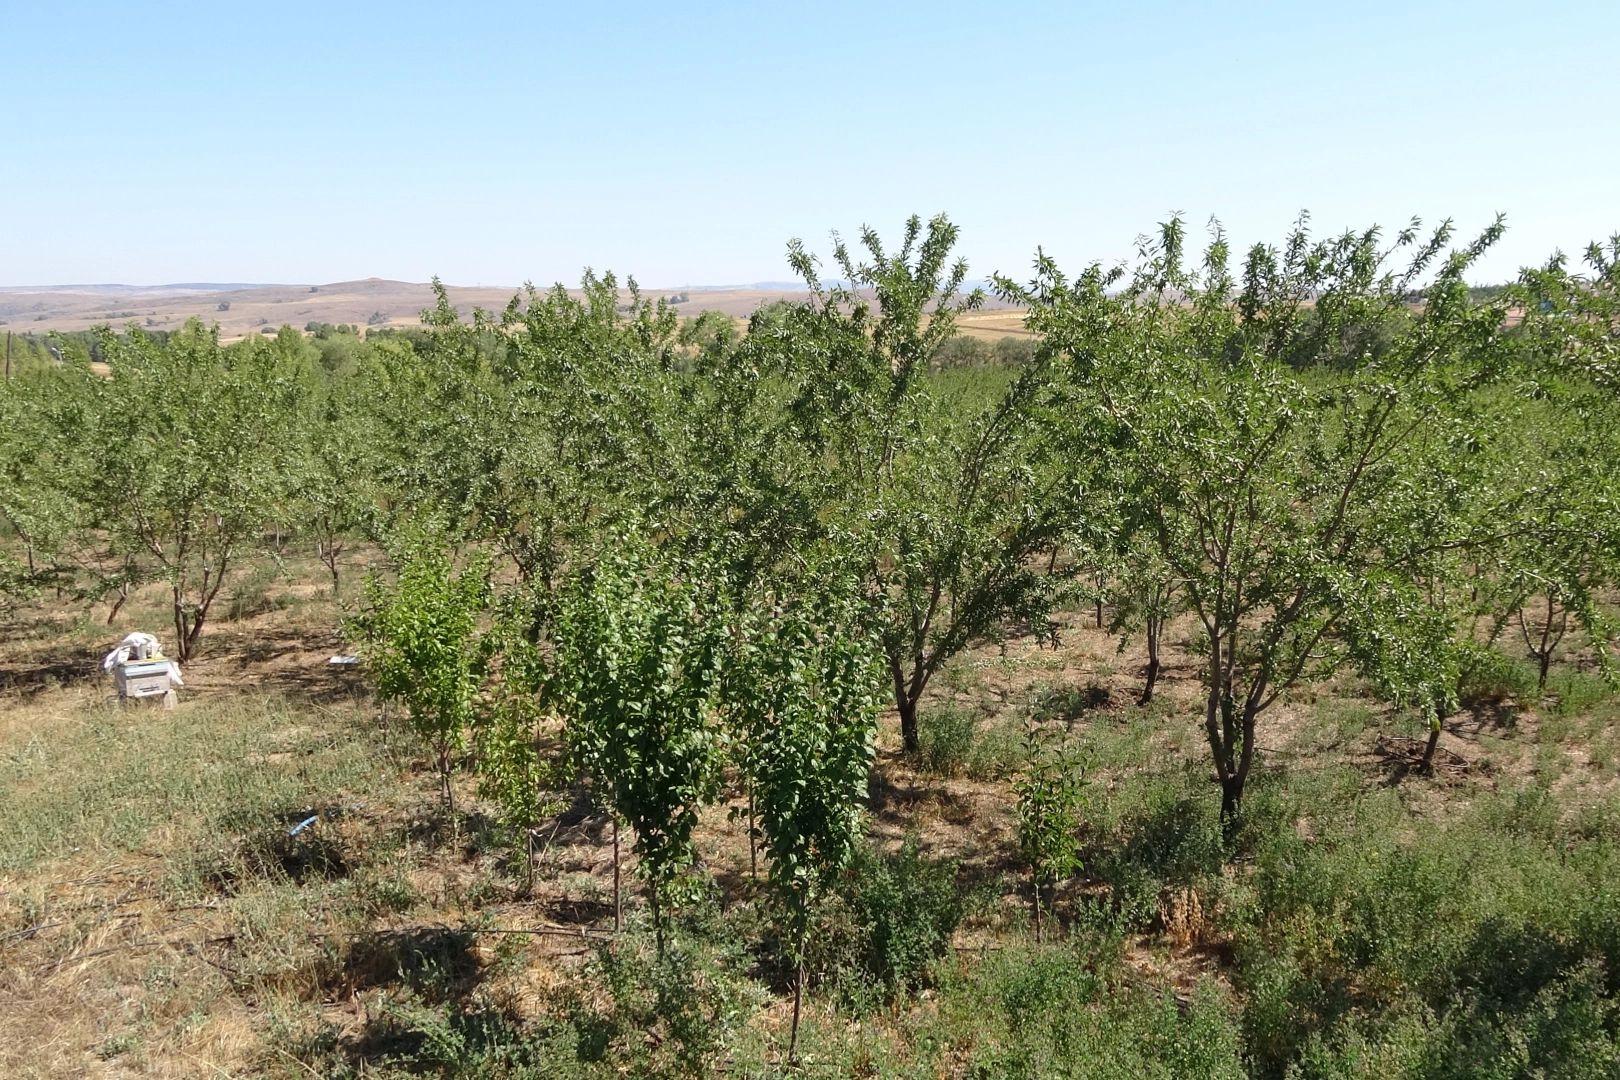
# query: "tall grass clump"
[[947, 735]]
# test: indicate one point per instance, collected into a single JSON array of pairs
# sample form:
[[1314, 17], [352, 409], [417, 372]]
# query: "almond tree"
[[195, 448], [1051, 797], [1144, 598], [1287, 444], [46, 415], [424, 648], [1567, 481], [532, 427], [337, 492], [933, 488]]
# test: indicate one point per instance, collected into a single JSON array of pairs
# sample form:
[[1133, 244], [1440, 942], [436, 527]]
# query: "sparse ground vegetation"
[[1218, 684]]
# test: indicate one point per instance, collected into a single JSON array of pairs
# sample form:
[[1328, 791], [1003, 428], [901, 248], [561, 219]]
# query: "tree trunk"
[[908, 724], [1231, 798], [1225, 736], [1035, 886], [1154, 629], [182, 641], [123, 595], [193, 634], [1232, 786], [1427, 766], [329, 552], [444, 780], [753, 839], [1215, 719], [907, 693]]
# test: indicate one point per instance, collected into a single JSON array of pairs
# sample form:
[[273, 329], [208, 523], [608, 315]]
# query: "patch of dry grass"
[[157, 919]]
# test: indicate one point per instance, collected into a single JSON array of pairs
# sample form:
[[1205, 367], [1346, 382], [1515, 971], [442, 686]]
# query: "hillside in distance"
[[241, 309]]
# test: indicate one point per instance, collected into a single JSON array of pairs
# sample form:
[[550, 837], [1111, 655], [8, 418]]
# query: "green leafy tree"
[[708, 330], [636, 666], [1572, 317], [47, 412], [804, 688], [934, 488], [1289, 482], [195, 457], [1552, 570], [1564, 551], [531, 428], [424, 645], [1144, 596], [1418, 640], [511, 736], [339, 493]]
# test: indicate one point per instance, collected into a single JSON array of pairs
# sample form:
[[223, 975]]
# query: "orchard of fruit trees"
[[714, 558]]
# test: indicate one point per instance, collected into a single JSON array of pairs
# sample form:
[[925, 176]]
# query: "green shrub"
[[947, 735], [962, 352], [1052, 1011], [1015, 351], [1488, 678], [673, 1011], [1069, 703], [1577, 692], [1480, 947], [455, 1042], [1159, 833], [891, 916], [997, 753]]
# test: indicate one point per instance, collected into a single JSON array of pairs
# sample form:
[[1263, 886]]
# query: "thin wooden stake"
[[1035, 881], [618, 893], [798, 1000]]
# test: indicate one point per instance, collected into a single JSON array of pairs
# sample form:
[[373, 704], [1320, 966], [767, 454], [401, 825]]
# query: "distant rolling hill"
[[241, 309]]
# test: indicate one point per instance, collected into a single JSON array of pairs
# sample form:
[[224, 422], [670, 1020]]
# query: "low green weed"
[[1060, 1010], [891, 916], [997, 753], [946, 734]]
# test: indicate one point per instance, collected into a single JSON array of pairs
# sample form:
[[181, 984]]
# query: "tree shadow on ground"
[[437, 963], [892, 803], [1069, 705], [72, 666]]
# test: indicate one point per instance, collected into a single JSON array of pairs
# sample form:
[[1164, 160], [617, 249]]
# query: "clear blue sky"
[[685, 142]]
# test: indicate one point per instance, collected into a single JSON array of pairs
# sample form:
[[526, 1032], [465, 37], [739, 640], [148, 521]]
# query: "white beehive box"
[[142, 678]]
